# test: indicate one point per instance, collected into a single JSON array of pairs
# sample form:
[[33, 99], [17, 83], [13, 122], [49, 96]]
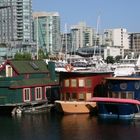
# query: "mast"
[[97, 34], [37, 37], [66, 42]]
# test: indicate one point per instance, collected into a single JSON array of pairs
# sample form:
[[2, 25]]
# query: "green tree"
[[117, 58], [22, 56], [41, 54], [110, 59]]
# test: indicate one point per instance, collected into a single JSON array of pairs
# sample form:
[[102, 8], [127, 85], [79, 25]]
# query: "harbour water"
[[52, 126]]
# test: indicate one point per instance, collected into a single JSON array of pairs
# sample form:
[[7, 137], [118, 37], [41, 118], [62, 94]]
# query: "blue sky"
[[113, 13]]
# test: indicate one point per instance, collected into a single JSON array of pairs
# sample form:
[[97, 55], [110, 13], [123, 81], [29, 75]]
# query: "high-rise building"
[[16, 23], [66, 42], [134, 42], [47, 31], [82, 36], [117, 37]]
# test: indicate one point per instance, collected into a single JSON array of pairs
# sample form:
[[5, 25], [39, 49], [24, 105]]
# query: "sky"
[[107, 13]]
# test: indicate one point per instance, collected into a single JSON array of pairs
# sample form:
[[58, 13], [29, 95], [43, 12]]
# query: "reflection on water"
[[52, 126]]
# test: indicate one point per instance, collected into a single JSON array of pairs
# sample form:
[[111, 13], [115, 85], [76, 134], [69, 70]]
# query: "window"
[[67, 83], [123, 95], [68, 96], [9, 72], [47, 93], [88, 82], [74, 96], [81, 83], [88, 96], [81, 96], [73, 83], [130, 95], [38, 93], [26, 94], [115, 95]]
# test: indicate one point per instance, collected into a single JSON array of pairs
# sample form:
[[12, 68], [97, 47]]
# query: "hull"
[[116, 110], [116, 107], [75, 107], [31, 107]]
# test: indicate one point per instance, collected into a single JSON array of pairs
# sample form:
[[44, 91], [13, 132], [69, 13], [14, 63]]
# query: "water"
[[51, 126]]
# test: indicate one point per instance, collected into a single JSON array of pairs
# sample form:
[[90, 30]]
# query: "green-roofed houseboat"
[[24, 84]]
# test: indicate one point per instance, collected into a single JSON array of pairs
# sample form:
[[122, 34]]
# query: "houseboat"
[[122, 100], [76, 88], [24, 85]]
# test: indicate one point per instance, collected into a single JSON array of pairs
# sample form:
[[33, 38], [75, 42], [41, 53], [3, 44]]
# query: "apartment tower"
[[16, 23], [47, 31]]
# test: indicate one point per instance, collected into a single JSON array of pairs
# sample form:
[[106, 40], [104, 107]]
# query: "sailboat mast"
[[97, 34], [66, 42], [37, 37]]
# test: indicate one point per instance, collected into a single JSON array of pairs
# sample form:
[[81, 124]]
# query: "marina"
[[69, 70]]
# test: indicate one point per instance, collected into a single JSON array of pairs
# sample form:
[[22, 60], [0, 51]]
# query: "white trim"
[[26, 95], [39, 96]]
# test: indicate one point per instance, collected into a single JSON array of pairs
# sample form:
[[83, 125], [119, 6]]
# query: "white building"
[[117, 37], [111, 51]]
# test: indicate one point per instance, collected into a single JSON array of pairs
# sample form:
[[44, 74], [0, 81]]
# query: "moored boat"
[[76, 89], [116, 107], [24, 85], [120, 90], [75, 107]]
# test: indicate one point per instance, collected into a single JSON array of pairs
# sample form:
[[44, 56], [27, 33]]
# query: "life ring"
[[69, 67]]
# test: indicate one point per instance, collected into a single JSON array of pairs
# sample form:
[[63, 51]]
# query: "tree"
[[117, 58], [22, 56], [41, 54], [110, 59]]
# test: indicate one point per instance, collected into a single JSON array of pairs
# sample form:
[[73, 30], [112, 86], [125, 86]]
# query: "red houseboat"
[[76, 89]]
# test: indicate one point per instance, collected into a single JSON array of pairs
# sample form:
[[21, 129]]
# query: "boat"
[[122, 98], [25, 84], [76, 89], [75, 107], [116, 107], [127, 67]]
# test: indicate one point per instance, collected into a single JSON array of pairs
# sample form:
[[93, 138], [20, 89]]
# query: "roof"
[[30, 66], [114, 100], [123, 78]]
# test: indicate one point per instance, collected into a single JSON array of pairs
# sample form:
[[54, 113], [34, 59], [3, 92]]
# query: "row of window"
[[125, 94], [38, 94], [75, 96], [77, 83]]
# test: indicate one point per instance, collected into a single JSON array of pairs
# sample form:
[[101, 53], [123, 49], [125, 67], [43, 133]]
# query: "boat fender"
[[18, 111], [69, 67]]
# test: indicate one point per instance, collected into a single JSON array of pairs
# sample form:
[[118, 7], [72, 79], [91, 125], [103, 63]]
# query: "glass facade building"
[[47, 31], [16, 22]]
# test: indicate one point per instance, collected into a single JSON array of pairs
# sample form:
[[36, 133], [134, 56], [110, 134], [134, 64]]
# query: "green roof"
[[31, 66]]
